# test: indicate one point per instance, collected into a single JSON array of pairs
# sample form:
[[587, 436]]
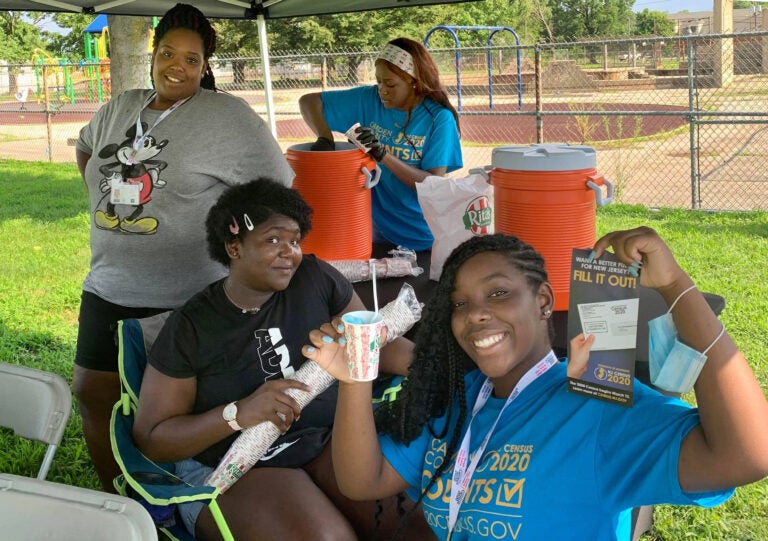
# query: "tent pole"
[[262, 26]]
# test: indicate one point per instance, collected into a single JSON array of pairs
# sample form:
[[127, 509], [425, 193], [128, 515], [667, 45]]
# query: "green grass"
[[7, 138], [723, 253], [44, 256]]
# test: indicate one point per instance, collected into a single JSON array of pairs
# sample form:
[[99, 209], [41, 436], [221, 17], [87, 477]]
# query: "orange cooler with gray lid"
[[547, 195], [337, 185]]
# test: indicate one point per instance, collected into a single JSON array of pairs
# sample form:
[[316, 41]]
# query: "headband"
[[400, 58]]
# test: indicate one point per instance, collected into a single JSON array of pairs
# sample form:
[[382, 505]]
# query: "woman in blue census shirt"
[[409, 126], [486, 433]]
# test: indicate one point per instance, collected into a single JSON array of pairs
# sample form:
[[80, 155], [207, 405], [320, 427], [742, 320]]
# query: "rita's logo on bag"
[[478, 218]]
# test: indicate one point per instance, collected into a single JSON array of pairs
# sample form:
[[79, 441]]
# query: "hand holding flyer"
[[602, 327]]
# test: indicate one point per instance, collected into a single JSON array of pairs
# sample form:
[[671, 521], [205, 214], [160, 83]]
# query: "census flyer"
[[603, 301]]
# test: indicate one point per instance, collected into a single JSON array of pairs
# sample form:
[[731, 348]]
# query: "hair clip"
[[248, 222], [233, 227]]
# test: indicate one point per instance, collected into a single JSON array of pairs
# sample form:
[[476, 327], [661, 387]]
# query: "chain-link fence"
[[679, 121]]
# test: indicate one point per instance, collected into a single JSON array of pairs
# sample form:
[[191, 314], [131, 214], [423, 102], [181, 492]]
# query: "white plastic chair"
[[34, 509], [36, 405]]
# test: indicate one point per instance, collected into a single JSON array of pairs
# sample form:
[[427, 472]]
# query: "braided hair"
[[436, 378], [259, 199], [190, 18]]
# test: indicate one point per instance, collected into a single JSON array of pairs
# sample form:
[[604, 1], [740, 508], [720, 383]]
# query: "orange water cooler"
[[337, 185], [547, 195]]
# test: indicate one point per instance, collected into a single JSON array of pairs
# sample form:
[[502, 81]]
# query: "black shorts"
[[97, 331]]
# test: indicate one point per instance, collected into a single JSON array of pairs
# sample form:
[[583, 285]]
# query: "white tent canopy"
[[231, 9], [258, 10]]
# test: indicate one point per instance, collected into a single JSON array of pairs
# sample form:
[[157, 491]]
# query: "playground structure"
[[493, 31], [95, 64], [51, 72], [59, 80]]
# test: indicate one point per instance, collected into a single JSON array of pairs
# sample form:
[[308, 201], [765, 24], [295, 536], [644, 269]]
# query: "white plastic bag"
[[455, 210]]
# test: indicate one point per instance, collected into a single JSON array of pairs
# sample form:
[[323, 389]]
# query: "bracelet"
[[680, 296]]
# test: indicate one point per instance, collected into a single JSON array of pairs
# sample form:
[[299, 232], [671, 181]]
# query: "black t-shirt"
[[231, 354]]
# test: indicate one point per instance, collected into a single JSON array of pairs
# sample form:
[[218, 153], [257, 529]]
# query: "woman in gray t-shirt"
[[154, 162]]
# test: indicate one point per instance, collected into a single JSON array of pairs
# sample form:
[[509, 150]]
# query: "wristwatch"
[[230, 416]]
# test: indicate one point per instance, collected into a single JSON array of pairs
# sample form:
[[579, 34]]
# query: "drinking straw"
[[372, 262]]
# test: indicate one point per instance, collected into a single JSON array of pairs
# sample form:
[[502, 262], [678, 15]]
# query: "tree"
[[653, 23], [369, 30], [19, 40], [128, 50], [575, 19], [70, 44], [18, 36], [537, 14]]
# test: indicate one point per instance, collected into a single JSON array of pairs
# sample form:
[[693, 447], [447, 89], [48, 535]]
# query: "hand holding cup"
[[348, 348], [364, 332]]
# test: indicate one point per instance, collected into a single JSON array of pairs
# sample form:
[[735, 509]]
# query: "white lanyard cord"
[[462, 473], [138, 140]]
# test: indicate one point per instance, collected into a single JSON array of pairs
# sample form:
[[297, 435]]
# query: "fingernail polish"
[[342, 341], [633, 272], [591, 256], [340, 327], [327, 339], [310, 349]]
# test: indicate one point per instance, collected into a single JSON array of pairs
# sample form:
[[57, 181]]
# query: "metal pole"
[[324, 73], [539, 119], [692, 127], [262, 27], [48, 123]]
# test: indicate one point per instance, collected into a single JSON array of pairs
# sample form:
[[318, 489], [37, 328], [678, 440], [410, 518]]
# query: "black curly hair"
[[436, 377], [191, 18], [260, 199]]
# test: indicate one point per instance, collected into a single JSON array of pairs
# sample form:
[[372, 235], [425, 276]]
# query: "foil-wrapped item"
[[359, 270], [399, 316], [254, 441]]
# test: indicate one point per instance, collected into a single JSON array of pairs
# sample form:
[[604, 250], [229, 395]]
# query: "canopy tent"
[[228, 9], [258, 10]]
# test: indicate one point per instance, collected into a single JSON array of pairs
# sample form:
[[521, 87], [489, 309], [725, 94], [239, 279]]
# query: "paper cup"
[[362, 331], [352, 136]]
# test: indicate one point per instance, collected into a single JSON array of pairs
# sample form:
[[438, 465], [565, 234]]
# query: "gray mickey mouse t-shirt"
[[152, 252]]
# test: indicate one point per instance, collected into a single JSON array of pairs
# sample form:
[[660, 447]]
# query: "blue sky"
[[673, 6]]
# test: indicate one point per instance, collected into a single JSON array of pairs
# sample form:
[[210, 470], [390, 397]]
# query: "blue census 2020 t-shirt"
[[558, 465], [431, 140]]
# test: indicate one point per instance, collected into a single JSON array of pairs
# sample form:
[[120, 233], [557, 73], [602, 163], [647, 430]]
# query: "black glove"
[[365, 136], [323, 144]]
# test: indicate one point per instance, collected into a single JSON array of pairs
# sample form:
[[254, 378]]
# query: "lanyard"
[[138, 141], [462, 473]]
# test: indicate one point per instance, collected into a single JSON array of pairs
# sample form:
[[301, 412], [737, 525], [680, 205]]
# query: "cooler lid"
[[544, 157]]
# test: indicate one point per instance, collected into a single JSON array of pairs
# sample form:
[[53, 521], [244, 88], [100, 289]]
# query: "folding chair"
[[36, 405], [153, 484], [34, 509]]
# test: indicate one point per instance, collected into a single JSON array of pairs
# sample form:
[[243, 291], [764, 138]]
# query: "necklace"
[[241, 308]]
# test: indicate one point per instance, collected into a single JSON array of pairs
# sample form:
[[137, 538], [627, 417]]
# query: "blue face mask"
[[674, 366]]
